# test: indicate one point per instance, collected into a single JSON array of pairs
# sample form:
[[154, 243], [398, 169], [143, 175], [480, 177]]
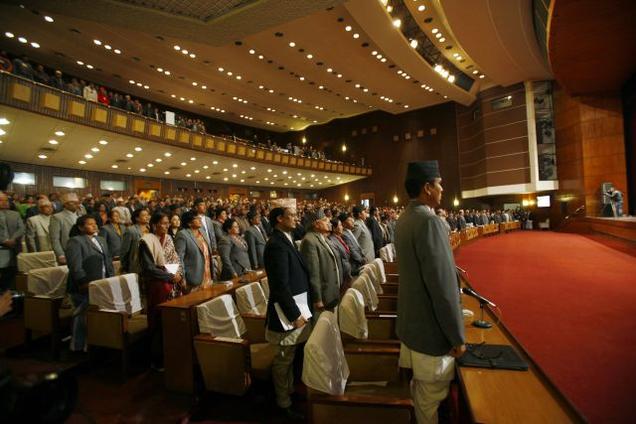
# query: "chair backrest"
[[34, 260], [379, 270], [365, 287], [265, 285], [325, 367], [49, 282], [120, 293], [251, 299], [386, 254], [372, 273], [393, 251], [220, 318], [351, 317]]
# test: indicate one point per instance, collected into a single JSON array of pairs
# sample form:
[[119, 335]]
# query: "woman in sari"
[[162, 273]]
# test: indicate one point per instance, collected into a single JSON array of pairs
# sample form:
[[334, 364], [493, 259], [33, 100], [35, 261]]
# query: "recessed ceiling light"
[[166, 172], [196, 171], [188, 175], [129, 155], [99, 43], [54, 142], [9, 34], [108, 47], [88, 156], [183, 163], [49, 19], [207, 177], [397, 23], [215, 162], [95, 149], [224, 169], [225, 179], [292, 44], [4, 121], [177, 48], [167, 154], [42, 156], [348, 28], [356, 35], [234, 165], [441, 40], [192, 55], [138, 149], [482, 76], [221, 69], [142, 169], [103, 142], [81, 162], [193, 158], [22, 40], [421, 8], [117, 51], [114, 166], [158, 160], [35, 45]]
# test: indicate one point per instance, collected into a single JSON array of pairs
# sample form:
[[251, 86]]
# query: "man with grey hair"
[[11, 232], [37, 228], [325, 275], [61, 224]]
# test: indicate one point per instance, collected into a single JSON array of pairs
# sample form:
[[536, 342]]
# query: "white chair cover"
[[393, 251], [325, 367], [120, 293], [265, 285], [379, 270], [35, 260], [351, 317], [386, 254], [371, 272], [250, 299], [49, 282], [365, 287], [220, 318]]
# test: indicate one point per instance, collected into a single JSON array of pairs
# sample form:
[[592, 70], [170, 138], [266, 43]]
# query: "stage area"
[[571, 302]]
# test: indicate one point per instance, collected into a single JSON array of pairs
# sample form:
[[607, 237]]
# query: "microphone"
[[471, 292], [460, 269]]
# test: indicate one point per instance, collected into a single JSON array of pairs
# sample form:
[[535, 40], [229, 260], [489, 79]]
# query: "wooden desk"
[[488, 229], [502, 396], [469, 233], [509, 226], [455, 240], [180, 325]]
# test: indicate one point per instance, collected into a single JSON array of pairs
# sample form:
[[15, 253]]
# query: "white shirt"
[[99, 247]]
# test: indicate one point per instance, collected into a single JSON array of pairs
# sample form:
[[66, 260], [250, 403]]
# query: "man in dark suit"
[[373, 222], [207, 228], [357, 257], [88, 260], [429, 322], [11, 233], [288, 276]]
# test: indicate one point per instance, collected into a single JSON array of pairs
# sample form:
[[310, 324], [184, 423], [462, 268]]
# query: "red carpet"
[[571, 302]]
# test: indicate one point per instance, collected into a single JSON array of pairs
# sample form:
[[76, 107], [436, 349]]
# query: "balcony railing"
[[28, 95]]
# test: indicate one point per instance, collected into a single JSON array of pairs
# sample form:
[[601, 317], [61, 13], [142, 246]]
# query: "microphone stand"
[[481, 322]]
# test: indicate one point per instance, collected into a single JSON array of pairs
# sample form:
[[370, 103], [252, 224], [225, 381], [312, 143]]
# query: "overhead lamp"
[[22, 40], [150, 165], [215, 162], [348, 28], [114, 166], [292, 44], [395, 199], [344, 148], [5, 121], [482, 76], [99, 43], [177, 48], [95, 149], [49, 19], [183, 163], [166, 172], [158, 160], [129, 155], [346, 197], [107, 47], [54, 142], [9, 34], [441, 40], [81, 162], [421, 8], [193, 158], [397, 23], [138, 149], [356, 35], [414, 43], [456, 202], [42, 156], [253, 168], [167, 154], [117, 51], [88, 156]]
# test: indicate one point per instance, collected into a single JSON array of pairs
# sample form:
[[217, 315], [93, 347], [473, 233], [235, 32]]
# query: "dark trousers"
[[7, 278]]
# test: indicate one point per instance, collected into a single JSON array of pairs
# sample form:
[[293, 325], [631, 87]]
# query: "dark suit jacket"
[[287, 276], [376, 234], [113, 240], [85, 262]]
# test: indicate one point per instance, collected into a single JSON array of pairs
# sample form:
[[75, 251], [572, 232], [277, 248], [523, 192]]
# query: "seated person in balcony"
[[56, 81], [37, 228], [88, 260], [194, 252], [90, 93], [156, 250], [113, 233], [256, 239], [102, 96], [22, 67], [75, 87], [233, 251], [40, 75]]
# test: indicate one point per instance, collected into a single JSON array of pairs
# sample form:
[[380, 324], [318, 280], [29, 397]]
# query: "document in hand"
[[172, 268], [303, 305]]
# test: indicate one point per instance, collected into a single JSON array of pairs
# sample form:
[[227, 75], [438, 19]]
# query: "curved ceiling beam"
[[499, 36], [375, 22], [591, 44]]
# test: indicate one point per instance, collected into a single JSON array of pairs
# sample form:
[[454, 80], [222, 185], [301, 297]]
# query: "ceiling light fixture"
[[49, 19]]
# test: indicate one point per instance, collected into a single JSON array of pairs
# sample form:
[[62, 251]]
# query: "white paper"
[[172, 268], [303, 306]]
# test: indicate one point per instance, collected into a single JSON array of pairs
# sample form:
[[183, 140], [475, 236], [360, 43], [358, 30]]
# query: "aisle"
[[572, 303]]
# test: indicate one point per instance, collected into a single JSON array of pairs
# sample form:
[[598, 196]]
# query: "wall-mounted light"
[[304, 140], [346, 197], [395, 199], [524, 203], [344, 148], [456, 202]]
